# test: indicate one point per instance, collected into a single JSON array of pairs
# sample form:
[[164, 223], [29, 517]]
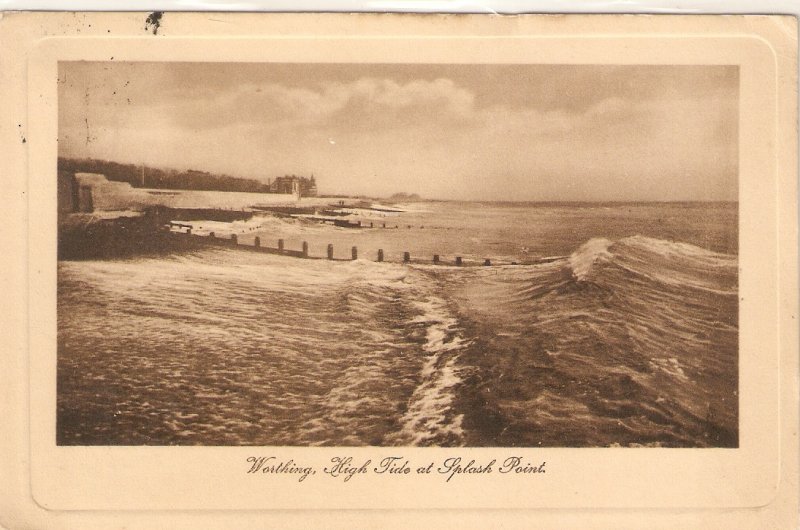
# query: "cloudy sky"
[[491, 132]]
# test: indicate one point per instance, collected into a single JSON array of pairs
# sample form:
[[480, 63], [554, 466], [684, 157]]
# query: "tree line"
[[155, 178]]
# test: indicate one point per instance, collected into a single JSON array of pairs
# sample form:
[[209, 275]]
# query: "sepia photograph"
[[300, 270], [398, 254]]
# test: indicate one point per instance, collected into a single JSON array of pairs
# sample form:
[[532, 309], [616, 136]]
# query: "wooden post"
[[234, 239], [384, 225], [436, 258], [257, 242], [458, 261], [355, 253], [189, 231], [330, 251], [359, 223], [211, 235], [370, 224], [280, 245], [380, 254], [406, 257], [305, 249], [487, 262]]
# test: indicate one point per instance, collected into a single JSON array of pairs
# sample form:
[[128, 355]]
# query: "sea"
[[595, 325]]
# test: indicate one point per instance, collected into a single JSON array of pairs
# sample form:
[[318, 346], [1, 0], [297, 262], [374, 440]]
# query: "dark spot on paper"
[[153, 21], [24, 140]]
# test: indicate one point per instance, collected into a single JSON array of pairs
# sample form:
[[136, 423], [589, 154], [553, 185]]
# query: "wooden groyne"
[[84, 236], [202, 214], [258, 245], [343, 223]]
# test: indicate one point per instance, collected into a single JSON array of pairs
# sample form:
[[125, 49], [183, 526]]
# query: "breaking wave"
[[630, 341], [623, 342]]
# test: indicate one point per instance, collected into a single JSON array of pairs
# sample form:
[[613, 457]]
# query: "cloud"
[[441, 136], [365, 100]]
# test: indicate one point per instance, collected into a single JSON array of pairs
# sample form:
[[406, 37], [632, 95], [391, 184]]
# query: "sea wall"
[[116, 196]]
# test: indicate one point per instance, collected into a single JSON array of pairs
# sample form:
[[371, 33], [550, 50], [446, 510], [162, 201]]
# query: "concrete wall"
[[67, 192], [116, 196]]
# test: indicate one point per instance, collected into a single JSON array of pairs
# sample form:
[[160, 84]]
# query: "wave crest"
[[670, 263], [582, 260]]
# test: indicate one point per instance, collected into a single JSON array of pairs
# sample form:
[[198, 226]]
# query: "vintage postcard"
[[363, 262]]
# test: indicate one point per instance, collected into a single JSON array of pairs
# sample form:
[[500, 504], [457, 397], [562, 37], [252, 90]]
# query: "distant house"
[[292, 184]]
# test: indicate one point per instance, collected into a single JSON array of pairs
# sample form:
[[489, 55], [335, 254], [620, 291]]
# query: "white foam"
[[582, 260], [429, 418], [670, 366]]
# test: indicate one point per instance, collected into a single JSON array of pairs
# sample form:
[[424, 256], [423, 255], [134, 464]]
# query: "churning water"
[[628, 335]]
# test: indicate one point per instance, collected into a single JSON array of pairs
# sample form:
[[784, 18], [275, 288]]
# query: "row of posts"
[[353, 251], [372, 225]]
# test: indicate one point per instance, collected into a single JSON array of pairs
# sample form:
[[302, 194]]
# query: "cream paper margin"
[[756, 476]]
